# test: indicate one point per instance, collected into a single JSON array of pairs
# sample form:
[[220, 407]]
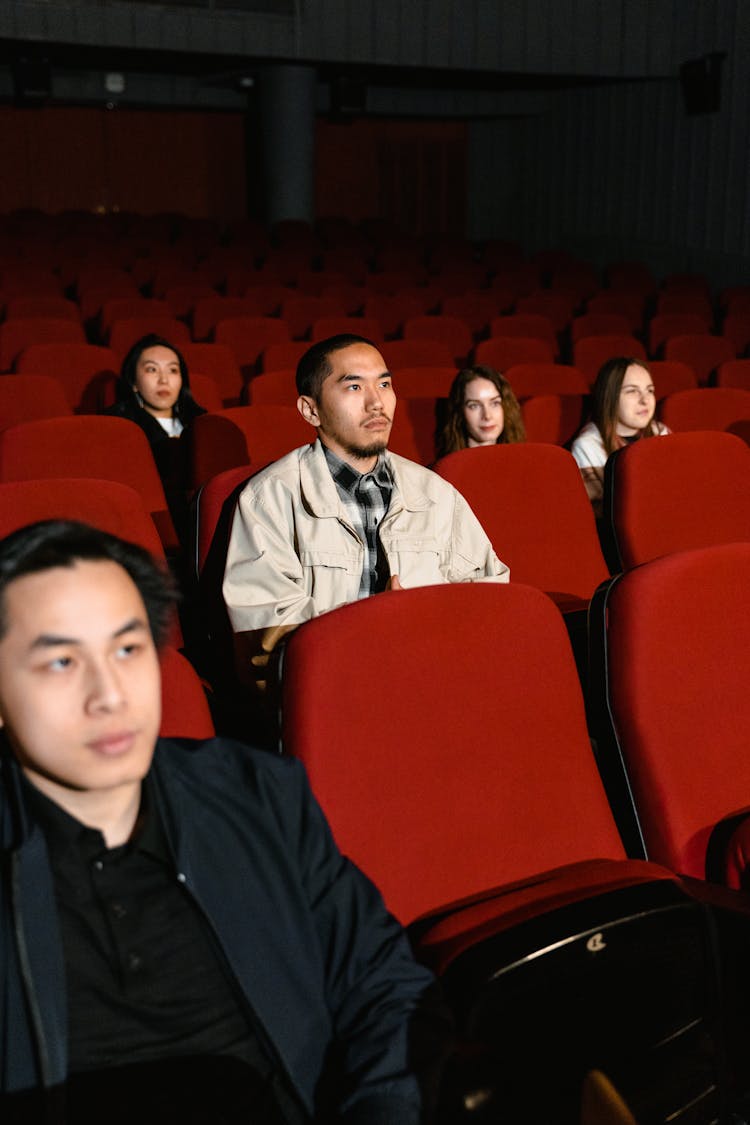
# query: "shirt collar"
[[63, 831], [348, 478]]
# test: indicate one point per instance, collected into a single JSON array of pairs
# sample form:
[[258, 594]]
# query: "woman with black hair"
[[153, 391]]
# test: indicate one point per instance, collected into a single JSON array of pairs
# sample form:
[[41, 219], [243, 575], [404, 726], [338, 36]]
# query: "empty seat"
[[245, 435], [111, 449], [416, 353], [557, 306], [367, 326], [671, 375], [531, 502], [669, 302], [629, 305], [28, 307], [249, 336], [734, 373], [126, 332], [414, 429], [85, 371], [300, 312], [205, 391], [16, 335], [124, 308], [218, 362], [274, 388], [26, 397], [592, 352], [418, 382], [463, 824], [665, 325], [554, 418], [113, 507], [673, 644], [736, 327], [449, 330], [476, 308], [208, 311], [600, 324], [704, 353], [502, 352], [284, 355], [531, 325], [392, 310], [184, 711], [708, 408], [546, 379], [688, 490]]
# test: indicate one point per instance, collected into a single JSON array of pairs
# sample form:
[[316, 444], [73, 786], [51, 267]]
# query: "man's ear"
[[308, 409]]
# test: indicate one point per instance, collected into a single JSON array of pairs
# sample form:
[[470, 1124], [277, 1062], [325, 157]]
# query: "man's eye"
[[60, 663], [129, 649]]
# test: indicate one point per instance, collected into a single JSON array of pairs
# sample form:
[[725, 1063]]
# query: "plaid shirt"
[[366, 497]]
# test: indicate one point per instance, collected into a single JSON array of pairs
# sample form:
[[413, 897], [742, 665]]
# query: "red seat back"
[[84, 370], [678, 653], [531, 502], [15, 335], [704, 353], [452, 792], [449, 330], [592, 352], [184, 708], [708, 408], [552, 418], [502, 352], [111, 449], [26, 397], [416, 353], [245, 435], [546, 379], [677, 492], [218, 361]]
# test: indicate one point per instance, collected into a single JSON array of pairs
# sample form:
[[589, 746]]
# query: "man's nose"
[[105, 689]]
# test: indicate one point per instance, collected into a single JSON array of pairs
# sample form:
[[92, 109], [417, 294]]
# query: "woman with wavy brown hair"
[[482, 410]]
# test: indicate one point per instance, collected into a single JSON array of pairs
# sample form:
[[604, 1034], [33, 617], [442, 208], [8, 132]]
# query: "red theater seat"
[[16, 335], [673, 638], [675, 493], [449, 330], [531, 502], [85, 371], [502, 352], [26, 397], [546, 379], [704, 353], [464, 814], [708, 408], [592, 352], [102, 448], [245, 435], [185, 712]]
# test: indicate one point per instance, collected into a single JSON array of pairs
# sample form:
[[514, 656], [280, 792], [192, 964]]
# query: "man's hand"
[[393, 583]]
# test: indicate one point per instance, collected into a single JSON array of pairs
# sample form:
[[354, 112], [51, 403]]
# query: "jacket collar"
[[320, 494]]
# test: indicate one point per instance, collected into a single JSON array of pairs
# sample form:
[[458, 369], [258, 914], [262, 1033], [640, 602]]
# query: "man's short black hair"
[[314, 367], [52, 543]]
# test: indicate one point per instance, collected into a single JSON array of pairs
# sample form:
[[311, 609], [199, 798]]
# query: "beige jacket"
[[293, 554]]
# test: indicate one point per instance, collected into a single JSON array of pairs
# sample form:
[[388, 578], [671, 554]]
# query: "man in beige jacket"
[[343, 518]]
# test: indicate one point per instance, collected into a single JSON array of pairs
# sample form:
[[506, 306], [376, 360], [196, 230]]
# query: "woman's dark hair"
[[454, 435], [186, 408], [605, 401], [48, 544]]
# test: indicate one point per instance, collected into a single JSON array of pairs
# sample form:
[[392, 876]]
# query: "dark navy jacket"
[[318, 958]]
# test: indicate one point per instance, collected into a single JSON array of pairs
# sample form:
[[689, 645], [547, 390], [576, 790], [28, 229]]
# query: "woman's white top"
[[588, 448], [173, 426]]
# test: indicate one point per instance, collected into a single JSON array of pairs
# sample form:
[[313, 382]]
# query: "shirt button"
[[135, 962], [118, 910], [98, 865]]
